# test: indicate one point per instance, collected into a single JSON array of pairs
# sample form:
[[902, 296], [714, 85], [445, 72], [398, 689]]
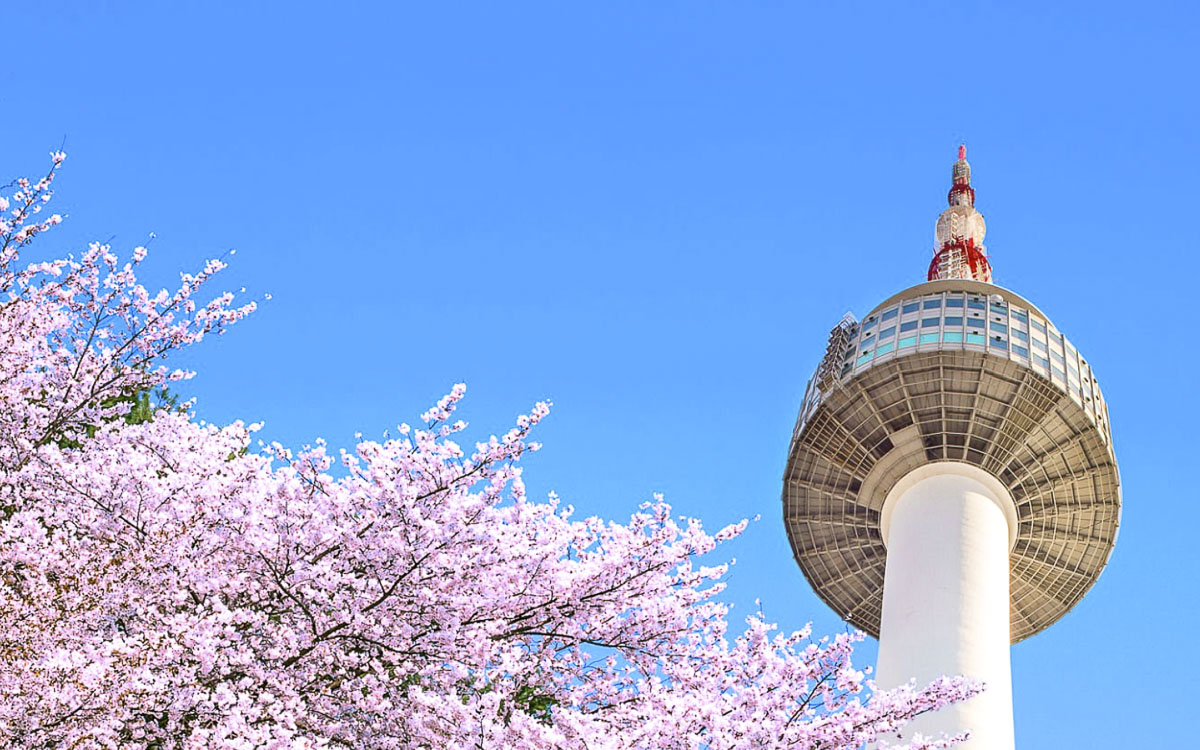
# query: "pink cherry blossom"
[[166, 584]]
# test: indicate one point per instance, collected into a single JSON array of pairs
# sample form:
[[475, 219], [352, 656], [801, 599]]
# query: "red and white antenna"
[[958, 250]]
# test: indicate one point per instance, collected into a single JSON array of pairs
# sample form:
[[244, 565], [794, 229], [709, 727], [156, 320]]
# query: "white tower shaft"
[[948, 528]]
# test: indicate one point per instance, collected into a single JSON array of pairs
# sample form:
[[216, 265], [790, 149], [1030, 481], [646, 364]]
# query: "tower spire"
[[958, 251]]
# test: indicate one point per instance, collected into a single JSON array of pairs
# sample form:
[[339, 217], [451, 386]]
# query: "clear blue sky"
[[652, 214]]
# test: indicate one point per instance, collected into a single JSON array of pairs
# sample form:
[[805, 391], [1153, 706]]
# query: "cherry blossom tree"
[[165, 583]]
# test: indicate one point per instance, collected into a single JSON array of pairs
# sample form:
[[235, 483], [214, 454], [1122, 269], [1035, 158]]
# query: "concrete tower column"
[[948, 528]]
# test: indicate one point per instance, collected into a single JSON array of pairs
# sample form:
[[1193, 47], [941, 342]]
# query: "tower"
[[951, 486]]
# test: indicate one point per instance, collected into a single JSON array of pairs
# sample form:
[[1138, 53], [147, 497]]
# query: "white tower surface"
[[951, 486]]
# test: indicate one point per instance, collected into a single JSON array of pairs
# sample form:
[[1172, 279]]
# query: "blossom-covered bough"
[[165, 584]]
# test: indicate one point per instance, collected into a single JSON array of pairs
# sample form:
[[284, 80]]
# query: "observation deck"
[[954, 369]]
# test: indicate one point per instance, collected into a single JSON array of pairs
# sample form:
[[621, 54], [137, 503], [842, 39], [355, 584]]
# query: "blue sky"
[[652, 214]]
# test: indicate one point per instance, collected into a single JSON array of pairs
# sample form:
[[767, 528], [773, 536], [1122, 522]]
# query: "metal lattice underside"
[[952, 406]]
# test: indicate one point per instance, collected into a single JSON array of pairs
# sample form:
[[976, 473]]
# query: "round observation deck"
[[953, 370]]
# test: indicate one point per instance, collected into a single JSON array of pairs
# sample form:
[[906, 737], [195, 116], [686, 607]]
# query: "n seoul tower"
[[951, 486]]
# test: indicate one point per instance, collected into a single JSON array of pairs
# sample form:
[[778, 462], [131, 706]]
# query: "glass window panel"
[[1020, 335], [870, 323], [933, 304], [1039, 345], [884, 348], [953, 337], [1058, 358], [890, 314], [1038, 326], [954, 302], [976, 338], [911, 307], [953, 320], [1058, 373], [1042, 362], [931, 322], [1017, 349], [1020, 315], [999, 309], [976, 304], [909, 326], [865, 358], [888, 332], [929, 338], [975, 322], [908, 341], [999, 327], [998, 343]]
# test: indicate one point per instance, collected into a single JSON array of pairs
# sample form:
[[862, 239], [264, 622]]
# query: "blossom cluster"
[[168, 584]]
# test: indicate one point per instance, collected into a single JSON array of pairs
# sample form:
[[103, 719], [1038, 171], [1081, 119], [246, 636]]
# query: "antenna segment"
[[958, 248]]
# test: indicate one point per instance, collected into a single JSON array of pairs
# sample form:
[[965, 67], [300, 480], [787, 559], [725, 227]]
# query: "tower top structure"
[[958, 251], [954, 370]]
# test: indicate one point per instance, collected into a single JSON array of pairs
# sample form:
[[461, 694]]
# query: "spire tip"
[[962, 152]]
